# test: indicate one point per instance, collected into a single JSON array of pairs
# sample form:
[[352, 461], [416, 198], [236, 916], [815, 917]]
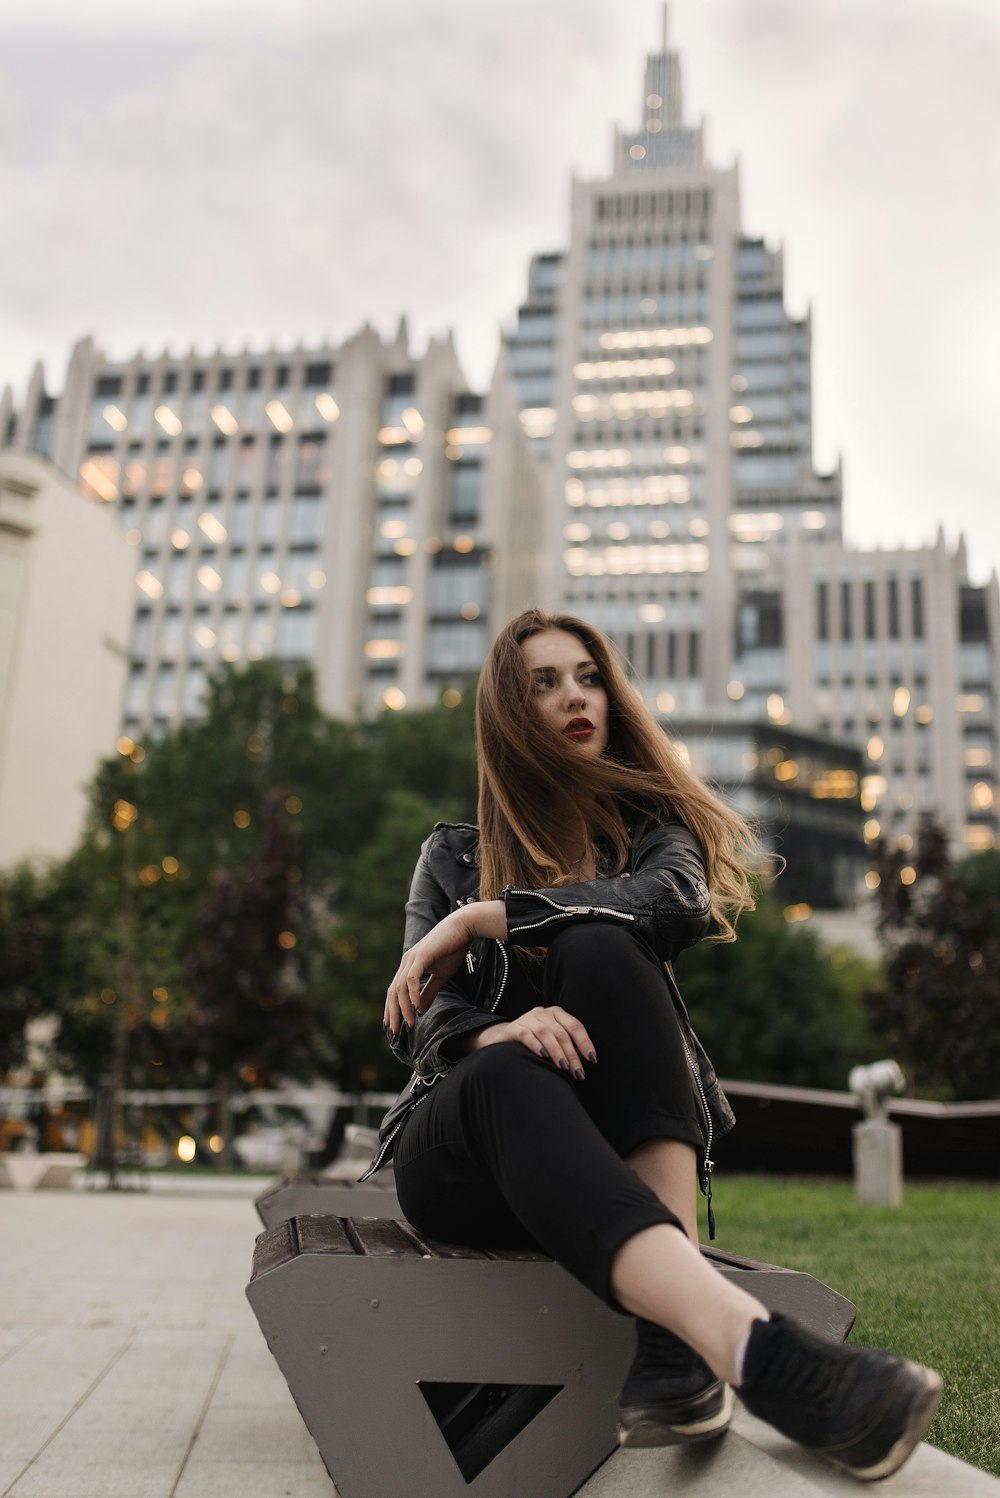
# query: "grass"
[[925, 1279]]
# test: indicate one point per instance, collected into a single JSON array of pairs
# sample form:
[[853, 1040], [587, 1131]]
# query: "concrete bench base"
[[753, 1461], [28, 1171], [489, 1374]]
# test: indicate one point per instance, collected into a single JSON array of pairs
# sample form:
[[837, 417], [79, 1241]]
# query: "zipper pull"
[[470, 963]]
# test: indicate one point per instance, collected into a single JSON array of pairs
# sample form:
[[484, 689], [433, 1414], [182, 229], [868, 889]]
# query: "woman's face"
[[567, 689]]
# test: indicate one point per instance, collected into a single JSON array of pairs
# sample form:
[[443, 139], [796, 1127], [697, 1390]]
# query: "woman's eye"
[[592, 679]]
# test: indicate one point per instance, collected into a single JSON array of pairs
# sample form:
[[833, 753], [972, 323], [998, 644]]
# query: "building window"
[[312, 465], [823, 611], [466, 483], [307, 520], [870, 618], [917, 606], [846, 610], [270, 522], [246, 470], [277, 462], [893, 598]]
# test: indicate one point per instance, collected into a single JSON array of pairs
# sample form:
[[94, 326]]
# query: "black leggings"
[[508, 1151]]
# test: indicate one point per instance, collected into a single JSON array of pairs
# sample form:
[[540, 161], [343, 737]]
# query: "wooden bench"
[[292, 1196], [428, 1369]]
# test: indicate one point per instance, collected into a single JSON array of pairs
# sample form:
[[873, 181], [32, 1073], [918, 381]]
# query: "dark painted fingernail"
[[578, 1073], [563, 1064], [544, 1053], [591, 1055]]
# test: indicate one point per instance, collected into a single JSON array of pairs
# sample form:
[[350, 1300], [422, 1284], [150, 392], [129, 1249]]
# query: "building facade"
[[667, 392], [355, 507], [66, 585]]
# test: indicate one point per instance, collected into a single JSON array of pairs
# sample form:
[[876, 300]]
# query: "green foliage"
[[235, 903], [776, 1005], [940, 1009], [23, 929]]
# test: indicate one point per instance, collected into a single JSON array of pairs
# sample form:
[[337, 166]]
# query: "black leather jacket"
[[662, 893]]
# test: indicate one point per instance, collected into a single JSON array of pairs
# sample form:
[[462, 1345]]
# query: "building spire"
[[662, 139]]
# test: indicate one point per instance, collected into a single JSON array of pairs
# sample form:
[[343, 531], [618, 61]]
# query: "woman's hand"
[[551, 1033], [438, 955]]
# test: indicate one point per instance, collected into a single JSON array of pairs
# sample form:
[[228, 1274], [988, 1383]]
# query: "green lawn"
[[925, 1280]]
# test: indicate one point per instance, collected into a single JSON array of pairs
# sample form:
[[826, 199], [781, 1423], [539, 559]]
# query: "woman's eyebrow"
[[580, 666]]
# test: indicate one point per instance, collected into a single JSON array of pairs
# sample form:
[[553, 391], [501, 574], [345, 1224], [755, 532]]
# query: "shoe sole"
[[922, 1413], [646, 1433]]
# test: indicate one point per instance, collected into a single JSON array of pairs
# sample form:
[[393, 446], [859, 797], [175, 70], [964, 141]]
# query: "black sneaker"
[[859, 1407], [670, 1395]]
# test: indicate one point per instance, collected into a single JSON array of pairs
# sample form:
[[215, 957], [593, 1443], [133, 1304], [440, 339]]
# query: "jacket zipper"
[[708, 1164], [566, 912], [503, 980]]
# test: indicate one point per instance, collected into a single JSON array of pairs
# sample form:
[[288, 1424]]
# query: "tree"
[[153, 942], [776, 1005], [940, 1010], [23, 931]]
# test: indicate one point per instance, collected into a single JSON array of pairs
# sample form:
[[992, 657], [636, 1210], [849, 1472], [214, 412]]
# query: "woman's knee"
[[593, 947], [496, 1066]]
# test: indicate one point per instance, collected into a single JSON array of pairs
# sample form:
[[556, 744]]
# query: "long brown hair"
[[543, 808]]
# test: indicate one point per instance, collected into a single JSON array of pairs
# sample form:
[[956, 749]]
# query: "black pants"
[[508, 1151]]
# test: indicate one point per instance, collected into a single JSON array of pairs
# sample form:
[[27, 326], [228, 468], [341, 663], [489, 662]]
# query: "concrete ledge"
[[753, 1461], [28, 1171]]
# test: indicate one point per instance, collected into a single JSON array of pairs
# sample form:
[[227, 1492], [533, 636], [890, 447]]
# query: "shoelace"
[[828, 1377]]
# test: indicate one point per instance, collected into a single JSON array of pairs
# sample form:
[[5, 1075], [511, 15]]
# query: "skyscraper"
[[667, 393]]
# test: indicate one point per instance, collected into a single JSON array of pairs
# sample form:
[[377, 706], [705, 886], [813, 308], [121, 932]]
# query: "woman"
[[560, 1098]]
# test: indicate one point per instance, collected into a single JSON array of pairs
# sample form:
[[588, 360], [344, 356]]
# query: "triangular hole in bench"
[[479, 1420]]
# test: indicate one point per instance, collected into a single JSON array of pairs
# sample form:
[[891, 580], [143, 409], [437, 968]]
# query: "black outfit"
[[498, 1146]]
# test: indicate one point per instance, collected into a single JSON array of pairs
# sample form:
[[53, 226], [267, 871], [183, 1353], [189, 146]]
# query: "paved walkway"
[[131, 1366]]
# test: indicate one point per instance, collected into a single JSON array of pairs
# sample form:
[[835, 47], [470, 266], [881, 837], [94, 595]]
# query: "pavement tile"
[[11, 1338], [57, 1366], [25, 1428], [55, 1477], [261, 1480], [254, 1434]]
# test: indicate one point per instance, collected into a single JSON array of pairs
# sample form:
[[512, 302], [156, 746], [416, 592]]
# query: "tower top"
[[663, 139]]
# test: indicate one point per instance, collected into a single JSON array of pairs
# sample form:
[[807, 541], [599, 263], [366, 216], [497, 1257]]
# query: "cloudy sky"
[[179, 172]]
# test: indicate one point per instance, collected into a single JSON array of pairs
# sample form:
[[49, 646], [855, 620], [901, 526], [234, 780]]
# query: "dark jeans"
[[508, 1151]]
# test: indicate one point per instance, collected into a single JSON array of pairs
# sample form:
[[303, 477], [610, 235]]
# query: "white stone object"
[[878, 1163]]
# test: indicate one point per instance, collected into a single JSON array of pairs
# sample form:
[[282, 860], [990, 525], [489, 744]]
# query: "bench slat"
[[737, 1261], [275, 1246], [322, 1235], [380, 1237]]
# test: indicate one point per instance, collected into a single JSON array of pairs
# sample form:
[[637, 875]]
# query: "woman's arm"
[[437, 1037], [665, 896], [431, 962]]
